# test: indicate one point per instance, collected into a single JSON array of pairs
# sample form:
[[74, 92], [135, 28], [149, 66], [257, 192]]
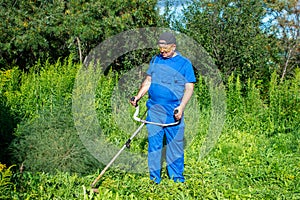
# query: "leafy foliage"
[[284, 105], [44, 87], [9, 80], [6, 184], [41, 30], [250, 39], [50, 143], [230, 32], [256, 156], [46, 139], [243, 165], [275, 115], [284, 22]]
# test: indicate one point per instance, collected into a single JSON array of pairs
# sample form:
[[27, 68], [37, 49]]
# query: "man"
[[170, 84]]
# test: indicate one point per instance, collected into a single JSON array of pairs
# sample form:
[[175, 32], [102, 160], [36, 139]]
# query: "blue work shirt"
[[168, 78]]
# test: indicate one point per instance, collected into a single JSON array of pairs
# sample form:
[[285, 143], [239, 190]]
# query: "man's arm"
[[188, 92], [143, 90]]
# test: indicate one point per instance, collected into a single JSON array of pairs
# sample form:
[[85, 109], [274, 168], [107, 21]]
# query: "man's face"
[[166, 50]]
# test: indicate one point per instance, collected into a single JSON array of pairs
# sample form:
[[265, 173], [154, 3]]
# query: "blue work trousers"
[[174, 137]]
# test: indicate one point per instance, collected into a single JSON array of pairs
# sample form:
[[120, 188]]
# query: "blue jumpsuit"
[[168, 79]]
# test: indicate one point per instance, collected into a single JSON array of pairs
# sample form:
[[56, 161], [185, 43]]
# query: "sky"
[[176, 5]]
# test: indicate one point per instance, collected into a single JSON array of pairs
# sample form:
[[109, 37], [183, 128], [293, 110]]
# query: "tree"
[[41, 30], [231, 33], [285, 24]]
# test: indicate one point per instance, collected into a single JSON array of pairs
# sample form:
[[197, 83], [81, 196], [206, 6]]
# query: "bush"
[[46, 140], [284, 105], [50, 143]]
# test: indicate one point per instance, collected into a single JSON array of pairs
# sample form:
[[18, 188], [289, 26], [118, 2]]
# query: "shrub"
[[284, 105], [46, 140], [50, 143]]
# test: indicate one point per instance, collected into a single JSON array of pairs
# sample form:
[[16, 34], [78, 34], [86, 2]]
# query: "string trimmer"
[[127, 143]]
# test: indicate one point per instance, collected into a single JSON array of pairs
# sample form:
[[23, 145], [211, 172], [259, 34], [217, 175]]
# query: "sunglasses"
[[165, 49]]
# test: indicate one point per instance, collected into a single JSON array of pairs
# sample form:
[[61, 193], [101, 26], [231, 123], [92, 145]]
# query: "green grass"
[[241, 166], [257, 155]]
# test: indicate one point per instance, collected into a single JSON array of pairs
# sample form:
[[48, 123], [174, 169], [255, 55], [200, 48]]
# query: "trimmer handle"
[[175, 111], [135, 116], [132, 99]]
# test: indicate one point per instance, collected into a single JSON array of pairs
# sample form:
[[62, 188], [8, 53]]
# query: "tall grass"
[[9, 80], [46, 139], [255, 157], [278, 113]]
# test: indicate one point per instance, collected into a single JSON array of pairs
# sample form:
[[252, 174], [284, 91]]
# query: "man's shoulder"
[[155, 58], [184, 59]]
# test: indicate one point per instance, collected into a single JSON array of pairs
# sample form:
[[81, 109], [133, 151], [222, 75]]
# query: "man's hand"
[[189, 88], [178, 114], [134, 101]]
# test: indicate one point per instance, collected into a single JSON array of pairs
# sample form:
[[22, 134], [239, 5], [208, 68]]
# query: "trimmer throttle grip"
[[132, 99]]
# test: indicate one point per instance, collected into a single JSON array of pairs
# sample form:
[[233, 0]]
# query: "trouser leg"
[[175, 152], [155, 146]]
